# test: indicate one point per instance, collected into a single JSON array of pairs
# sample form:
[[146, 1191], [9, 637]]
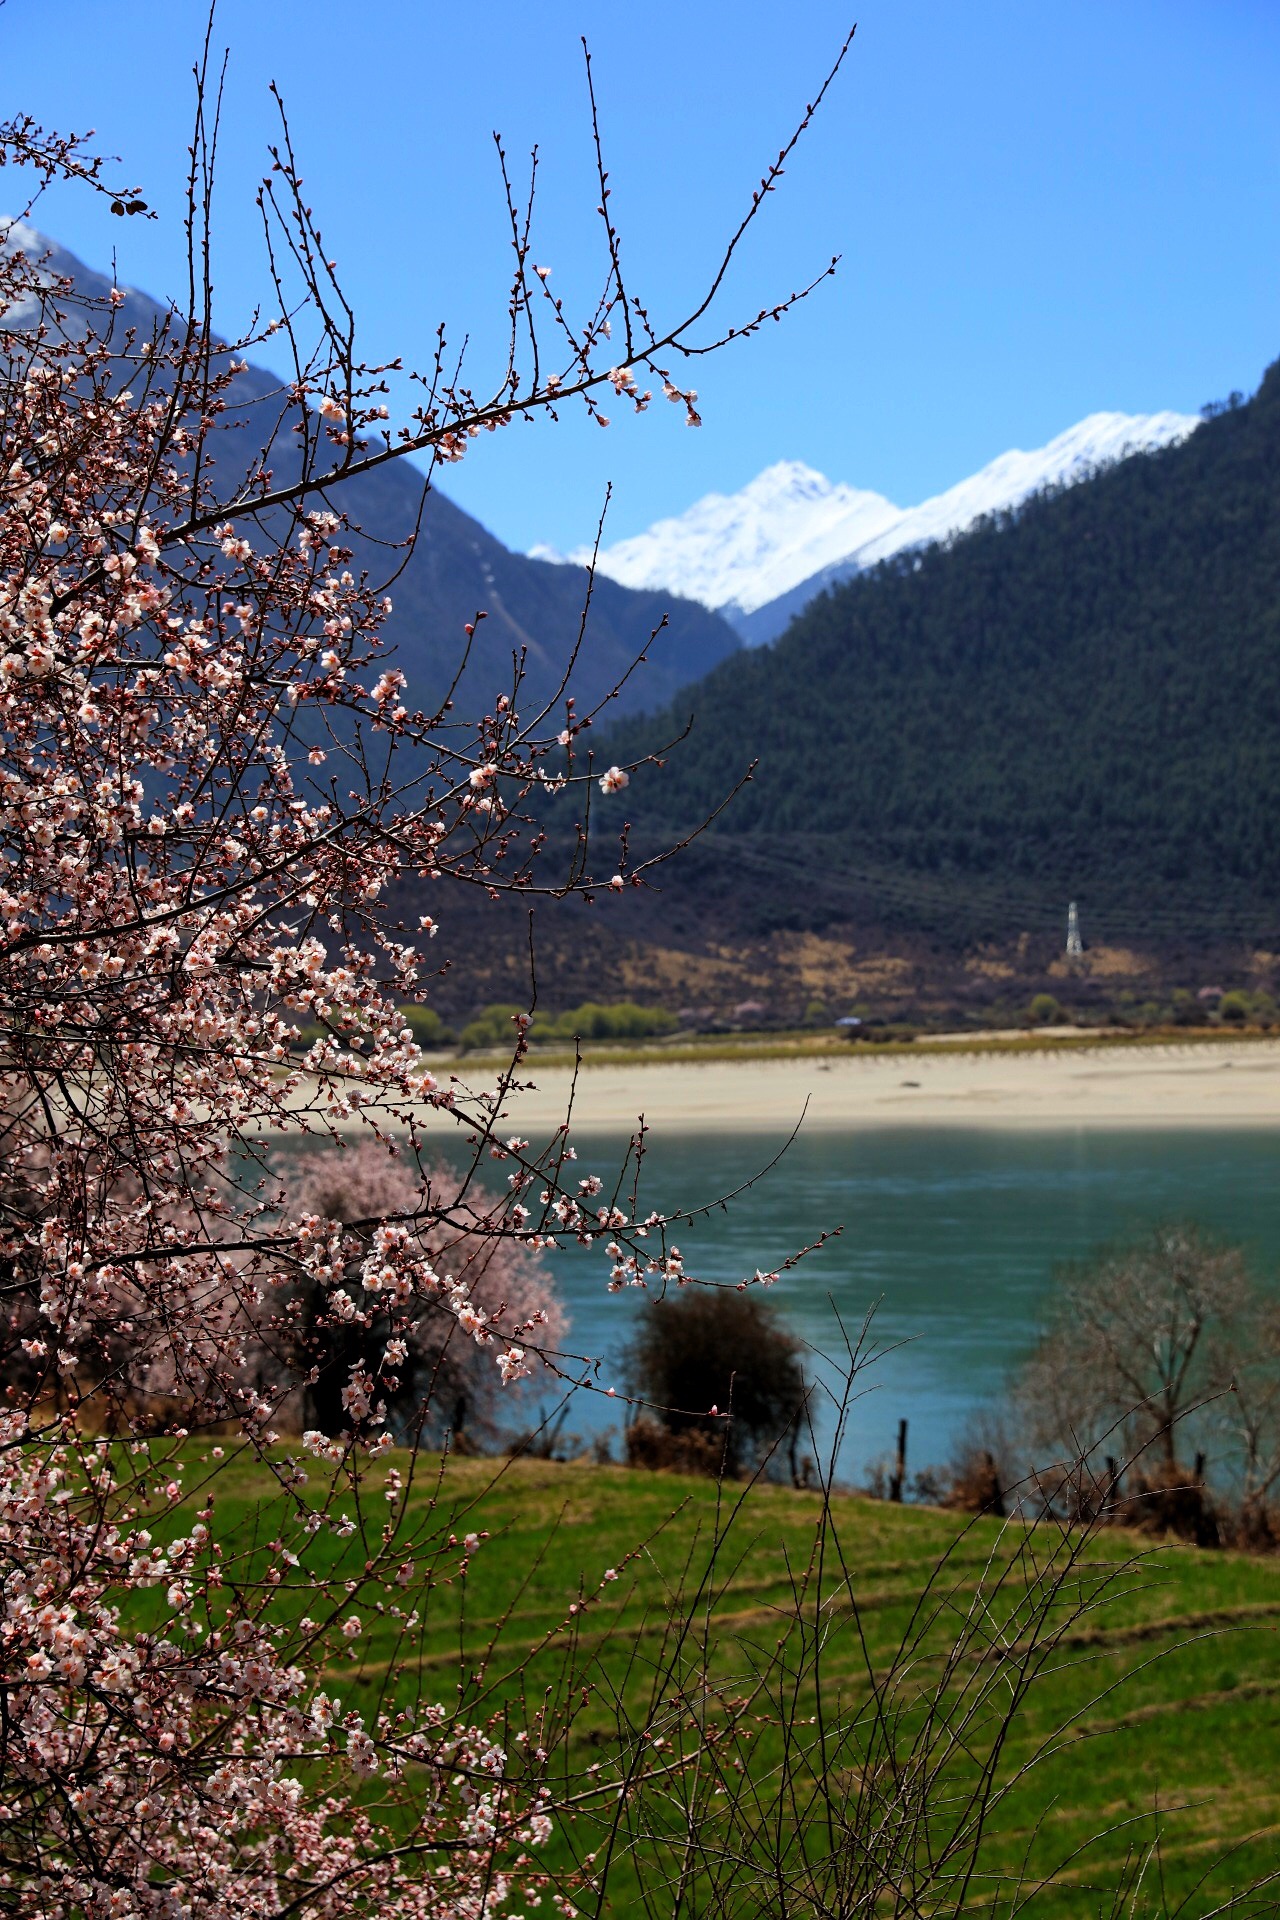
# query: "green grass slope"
[[892, 1637]]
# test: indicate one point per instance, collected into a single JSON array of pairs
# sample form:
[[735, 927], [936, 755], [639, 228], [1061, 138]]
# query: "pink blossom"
[[207, 944]]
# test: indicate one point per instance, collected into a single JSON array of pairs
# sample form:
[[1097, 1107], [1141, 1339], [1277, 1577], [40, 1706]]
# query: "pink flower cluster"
[[152, 1772], [181, 892]]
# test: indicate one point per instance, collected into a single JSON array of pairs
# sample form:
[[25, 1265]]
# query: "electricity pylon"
[[1075, 945]]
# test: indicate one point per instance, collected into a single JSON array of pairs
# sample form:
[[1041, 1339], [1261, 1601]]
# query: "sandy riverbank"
[[1231, 1084]]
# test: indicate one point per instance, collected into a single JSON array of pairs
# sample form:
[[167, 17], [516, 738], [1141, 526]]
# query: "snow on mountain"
[[739, 550], [53, 262], [16, 236], [757, 556], [1015, 475]]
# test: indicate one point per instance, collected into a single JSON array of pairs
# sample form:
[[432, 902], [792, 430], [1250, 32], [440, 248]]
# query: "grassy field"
[[1155, 1694], [691, 1049]]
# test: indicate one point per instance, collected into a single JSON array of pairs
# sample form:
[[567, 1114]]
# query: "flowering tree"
[[438, 1380], [212, 792]]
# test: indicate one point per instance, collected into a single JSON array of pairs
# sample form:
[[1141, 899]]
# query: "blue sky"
[[1043, 209]]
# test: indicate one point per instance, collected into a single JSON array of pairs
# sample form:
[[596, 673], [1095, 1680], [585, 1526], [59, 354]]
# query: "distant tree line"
[[619, 1020], [494, 1025]]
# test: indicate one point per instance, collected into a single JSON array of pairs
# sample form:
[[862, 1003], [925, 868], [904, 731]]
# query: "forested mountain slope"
[[533, 609], [1078, 700]]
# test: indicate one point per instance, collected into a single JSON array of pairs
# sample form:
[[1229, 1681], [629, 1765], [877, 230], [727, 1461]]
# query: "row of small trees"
[[593, 1020]]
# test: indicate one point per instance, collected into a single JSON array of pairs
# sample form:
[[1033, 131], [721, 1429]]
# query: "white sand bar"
[[1194, 1085]]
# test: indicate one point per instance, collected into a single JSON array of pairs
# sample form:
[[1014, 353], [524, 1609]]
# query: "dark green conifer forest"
[[1078, 700]]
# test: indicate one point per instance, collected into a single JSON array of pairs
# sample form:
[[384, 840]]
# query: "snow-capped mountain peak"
[[759, 554], [1014, 476], [728, 549]]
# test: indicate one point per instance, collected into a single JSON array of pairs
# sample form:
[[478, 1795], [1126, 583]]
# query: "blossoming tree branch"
[[214, 800]]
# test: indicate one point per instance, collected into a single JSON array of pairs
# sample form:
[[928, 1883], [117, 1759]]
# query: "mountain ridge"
[[459, 568], [759, 555]]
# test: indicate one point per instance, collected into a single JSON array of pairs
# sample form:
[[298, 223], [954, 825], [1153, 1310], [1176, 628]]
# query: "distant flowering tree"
[[213, 789], [434, 1377]]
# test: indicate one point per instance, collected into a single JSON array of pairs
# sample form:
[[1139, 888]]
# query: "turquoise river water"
[[952, 1237]]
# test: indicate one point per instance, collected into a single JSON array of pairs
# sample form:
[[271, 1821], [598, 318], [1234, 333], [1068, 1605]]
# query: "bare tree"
[[718, 1368], [1140, 1336]]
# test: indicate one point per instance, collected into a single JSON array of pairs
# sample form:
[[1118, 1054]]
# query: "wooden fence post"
[[900, 1464]]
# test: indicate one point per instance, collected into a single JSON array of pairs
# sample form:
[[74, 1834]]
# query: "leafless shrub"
[[652, 1445], [1173, 1502], [723, 1379], [976, 1485]]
